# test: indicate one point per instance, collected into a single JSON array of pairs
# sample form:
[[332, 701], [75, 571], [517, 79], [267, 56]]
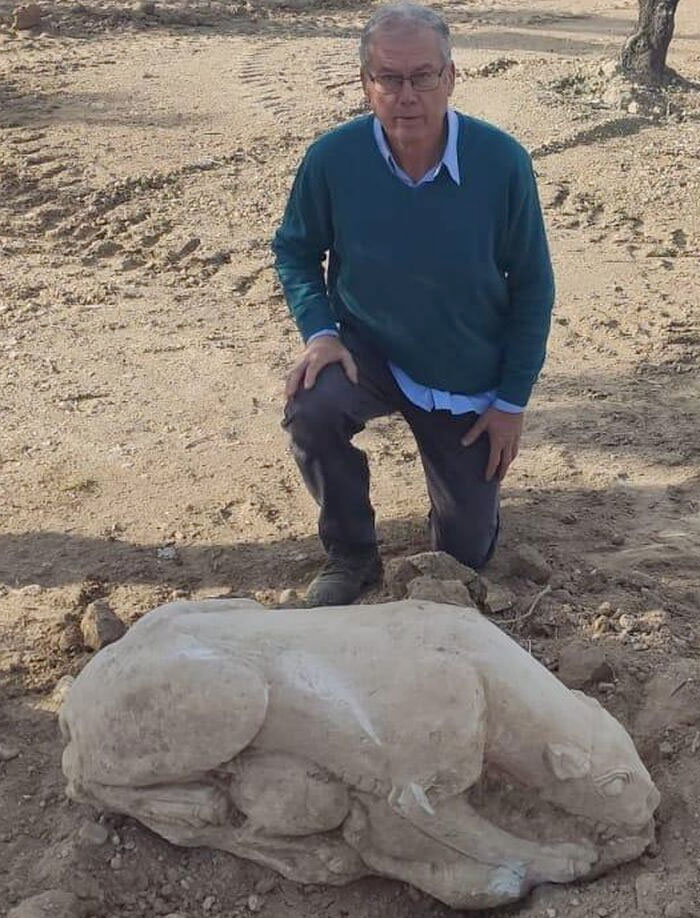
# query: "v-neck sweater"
[[453, 283]]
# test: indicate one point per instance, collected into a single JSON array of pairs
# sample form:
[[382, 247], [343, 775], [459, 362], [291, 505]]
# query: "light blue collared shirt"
[[423, 396]]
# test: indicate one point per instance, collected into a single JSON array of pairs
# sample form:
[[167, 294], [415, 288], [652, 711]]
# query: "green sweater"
[[452, 283]]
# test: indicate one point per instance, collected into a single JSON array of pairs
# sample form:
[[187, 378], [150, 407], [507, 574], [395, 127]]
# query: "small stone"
[[116, 863], [606, 687], [666, 748], [602, 911], [633, 108], [438, 565], [429, 589], [93, 833], [100, 626], [27, 17], [288, 596], [54, 903], [7, 752], [617, 539], [498, 598], [529, 562], [255, 903], [551, 913], [581, 665], [674, 909], [605, 608], [71, 638], [167, 553], [208, 903]]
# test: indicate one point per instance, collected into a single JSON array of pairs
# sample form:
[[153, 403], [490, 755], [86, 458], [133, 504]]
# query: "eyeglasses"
[[390, 84]]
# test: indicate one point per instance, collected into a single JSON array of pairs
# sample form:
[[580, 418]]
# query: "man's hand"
[[318, 354], [504, 431]]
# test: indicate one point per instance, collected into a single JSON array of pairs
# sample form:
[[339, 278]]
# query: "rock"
[[581, 665], [7, 752], [438, 565], [93, 833], [448, 591], [255, 903], [674, 909], [529, 562], [498, 598], [100, 626], [54, 903], [71, 638], [167, 553], [187, 249], [27, 17], [208, 903], [633, 107]]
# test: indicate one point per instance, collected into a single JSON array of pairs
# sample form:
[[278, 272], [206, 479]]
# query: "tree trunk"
[[644, 53]]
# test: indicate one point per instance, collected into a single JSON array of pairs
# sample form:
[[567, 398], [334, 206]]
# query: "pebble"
[[116, 862], [167, 553], [581, 665], [255, 903], [93, 833], [551, 913], [208, 903], [528, 562], [674, 909], [100, 626]]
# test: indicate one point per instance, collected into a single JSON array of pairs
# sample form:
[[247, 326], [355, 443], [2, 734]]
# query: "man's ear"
[[452, 77], [567, 761]]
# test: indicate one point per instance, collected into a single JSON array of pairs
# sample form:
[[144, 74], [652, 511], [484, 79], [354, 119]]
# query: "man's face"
[[408, 116]]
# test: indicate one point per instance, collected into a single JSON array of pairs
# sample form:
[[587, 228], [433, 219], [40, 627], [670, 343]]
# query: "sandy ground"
[[144, 163]]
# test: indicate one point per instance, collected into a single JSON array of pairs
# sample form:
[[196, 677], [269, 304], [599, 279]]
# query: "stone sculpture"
[[411, 740]]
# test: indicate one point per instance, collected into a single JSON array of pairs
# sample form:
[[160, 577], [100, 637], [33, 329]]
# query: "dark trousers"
[[322, 422]]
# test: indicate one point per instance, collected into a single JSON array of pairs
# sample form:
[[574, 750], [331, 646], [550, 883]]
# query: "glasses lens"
[[424, 82], [387, 83]]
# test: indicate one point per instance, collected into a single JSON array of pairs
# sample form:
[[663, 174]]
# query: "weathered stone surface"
[[452, 592], [582, 665], [319, 717], [54, 903], [100, 626], [93, 833], [529, 562], [27, 17]]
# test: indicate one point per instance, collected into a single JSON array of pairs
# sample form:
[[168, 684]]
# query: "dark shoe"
[[343, 578]]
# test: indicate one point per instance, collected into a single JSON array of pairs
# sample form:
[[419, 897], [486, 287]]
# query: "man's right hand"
[[319, 353]]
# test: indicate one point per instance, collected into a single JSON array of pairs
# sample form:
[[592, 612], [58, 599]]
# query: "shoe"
[[343, 578]]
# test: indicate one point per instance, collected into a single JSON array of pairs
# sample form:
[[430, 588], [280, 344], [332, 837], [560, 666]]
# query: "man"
[[435, 303]]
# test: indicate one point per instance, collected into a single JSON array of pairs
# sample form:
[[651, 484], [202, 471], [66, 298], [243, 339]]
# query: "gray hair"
[[405, 14]]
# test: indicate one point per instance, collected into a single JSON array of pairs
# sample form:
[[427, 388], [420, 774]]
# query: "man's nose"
[[407, 92]]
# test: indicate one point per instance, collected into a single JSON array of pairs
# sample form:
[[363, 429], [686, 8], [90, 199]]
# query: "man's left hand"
[[504, 431]]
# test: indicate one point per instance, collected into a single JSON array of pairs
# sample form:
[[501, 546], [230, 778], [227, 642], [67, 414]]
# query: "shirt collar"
[[449, 160]]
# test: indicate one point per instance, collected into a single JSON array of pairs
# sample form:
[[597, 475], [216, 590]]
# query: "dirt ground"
[[145, 156]]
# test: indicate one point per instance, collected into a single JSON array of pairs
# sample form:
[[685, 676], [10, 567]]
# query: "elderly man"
[[435, 301]]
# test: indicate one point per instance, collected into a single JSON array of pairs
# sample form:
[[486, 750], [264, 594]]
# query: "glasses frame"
[[406, 79]]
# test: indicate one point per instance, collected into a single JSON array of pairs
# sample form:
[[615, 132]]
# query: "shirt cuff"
[[501, 405], [325, 332]]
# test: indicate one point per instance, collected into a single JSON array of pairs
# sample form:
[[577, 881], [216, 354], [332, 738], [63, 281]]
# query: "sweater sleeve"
[[530, 285], [300, 245]]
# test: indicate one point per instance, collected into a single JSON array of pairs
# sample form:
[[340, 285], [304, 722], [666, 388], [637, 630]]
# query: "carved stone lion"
[[411, 740]]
